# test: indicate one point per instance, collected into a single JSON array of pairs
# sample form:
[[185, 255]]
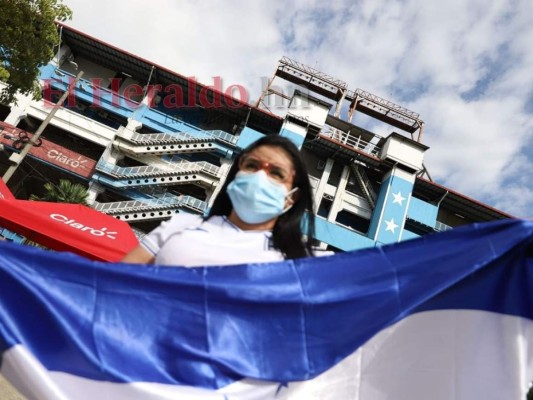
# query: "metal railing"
[[181, 137], [223, 136], [165, 138], [166, 201], [218, 134], [194, 203], [440, 227], [179, 168], [366, 186], [351, 141]]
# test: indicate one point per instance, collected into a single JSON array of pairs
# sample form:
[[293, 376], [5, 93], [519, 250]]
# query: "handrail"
[[167, 201], [351, 141], [183, 167], [180, 137], [441, 227], [366, 181], [194, 203], [153, 138], [366, 186]]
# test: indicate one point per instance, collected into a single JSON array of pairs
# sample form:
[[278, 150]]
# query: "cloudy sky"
[[466, 66]]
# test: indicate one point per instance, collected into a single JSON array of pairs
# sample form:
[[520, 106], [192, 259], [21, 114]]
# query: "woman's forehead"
[[272, 154]]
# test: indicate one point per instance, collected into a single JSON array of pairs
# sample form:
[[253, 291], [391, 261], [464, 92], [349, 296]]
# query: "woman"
[[257, 216]]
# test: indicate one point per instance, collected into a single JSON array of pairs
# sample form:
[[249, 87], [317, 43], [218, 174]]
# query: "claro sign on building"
[[48, 151]]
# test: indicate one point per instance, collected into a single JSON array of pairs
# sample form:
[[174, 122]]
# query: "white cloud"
[[517, 189], [464, 65], [473, 149]]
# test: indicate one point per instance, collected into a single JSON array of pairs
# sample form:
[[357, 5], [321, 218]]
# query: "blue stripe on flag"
[[282, 322]]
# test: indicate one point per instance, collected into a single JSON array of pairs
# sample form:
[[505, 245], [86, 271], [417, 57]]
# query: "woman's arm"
[[139, 255]]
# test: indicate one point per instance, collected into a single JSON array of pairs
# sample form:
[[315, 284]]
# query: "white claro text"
[[64, 159], [84, 228]]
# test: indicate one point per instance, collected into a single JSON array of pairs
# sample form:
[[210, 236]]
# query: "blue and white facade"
[[162, 143]]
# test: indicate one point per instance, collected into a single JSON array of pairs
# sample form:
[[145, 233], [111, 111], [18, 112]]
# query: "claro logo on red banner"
[[64, 159], [50, 152], [84, 228]]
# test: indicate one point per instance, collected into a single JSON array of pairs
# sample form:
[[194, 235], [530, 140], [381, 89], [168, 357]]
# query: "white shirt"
[[188, 240]]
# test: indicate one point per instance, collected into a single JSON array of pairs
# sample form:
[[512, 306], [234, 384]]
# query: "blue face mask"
[[256, 198]]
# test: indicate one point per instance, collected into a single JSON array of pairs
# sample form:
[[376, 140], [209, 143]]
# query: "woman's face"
[[273, 160], [279, 168]]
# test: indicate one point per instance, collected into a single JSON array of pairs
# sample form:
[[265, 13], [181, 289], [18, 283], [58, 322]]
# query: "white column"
[[18, 111], [63, 53], [339, 194], [322, 184], [224, 169], [133, 124], [111, 155], [94, 190], [125, 132]]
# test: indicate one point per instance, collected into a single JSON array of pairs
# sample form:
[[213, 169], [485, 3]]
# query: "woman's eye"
[[277, 173], [251, 165]]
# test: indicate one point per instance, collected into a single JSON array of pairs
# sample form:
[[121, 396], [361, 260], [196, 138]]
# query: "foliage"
[[29, 242], [65, 192], [27, 39]]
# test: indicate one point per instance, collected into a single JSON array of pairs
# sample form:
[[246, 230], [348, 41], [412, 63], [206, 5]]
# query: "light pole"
[[16, 158]]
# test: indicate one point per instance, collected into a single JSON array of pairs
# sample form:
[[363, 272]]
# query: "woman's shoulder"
[[183, 220], [186, 221]]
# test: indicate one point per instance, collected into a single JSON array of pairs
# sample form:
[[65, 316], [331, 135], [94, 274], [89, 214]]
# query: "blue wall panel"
[[247, 137], [340, 237], [407, 235], [422, 212], [296, 138]]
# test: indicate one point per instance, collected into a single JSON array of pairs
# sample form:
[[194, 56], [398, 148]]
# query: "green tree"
[[65, 192], [28, 35]]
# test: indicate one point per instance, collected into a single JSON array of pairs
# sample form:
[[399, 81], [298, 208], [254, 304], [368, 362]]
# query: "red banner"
[[69, 227], [48, 151], [5, 193]]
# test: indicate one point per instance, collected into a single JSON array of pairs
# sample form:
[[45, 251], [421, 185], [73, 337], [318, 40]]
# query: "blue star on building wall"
[[391, 209]]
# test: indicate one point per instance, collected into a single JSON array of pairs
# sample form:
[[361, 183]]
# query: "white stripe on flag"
[[437, 355]]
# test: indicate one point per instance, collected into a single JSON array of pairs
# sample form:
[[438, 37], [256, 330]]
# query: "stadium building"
[[148, 143]]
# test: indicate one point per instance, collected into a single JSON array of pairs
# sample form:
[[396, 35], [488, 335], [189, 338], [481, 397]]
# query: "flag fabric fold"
[[449, 315]]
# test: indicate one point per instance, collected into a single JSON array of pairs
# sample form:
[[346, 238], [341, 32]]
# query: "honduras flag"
[[445, 317]]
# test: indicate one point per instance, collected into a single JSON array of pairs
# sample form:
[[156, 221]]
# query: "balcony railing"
[[165, 202], [97, 96], [440, 227], [178, 168], [354, 142]]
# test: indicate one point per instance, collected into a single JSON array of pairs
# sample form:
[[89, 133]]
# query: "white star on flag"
[[398, 198], [391, 226]]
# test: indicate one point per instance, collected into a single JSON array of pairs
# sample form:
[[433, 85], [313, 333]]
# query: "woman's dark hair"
[[287, 235]]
